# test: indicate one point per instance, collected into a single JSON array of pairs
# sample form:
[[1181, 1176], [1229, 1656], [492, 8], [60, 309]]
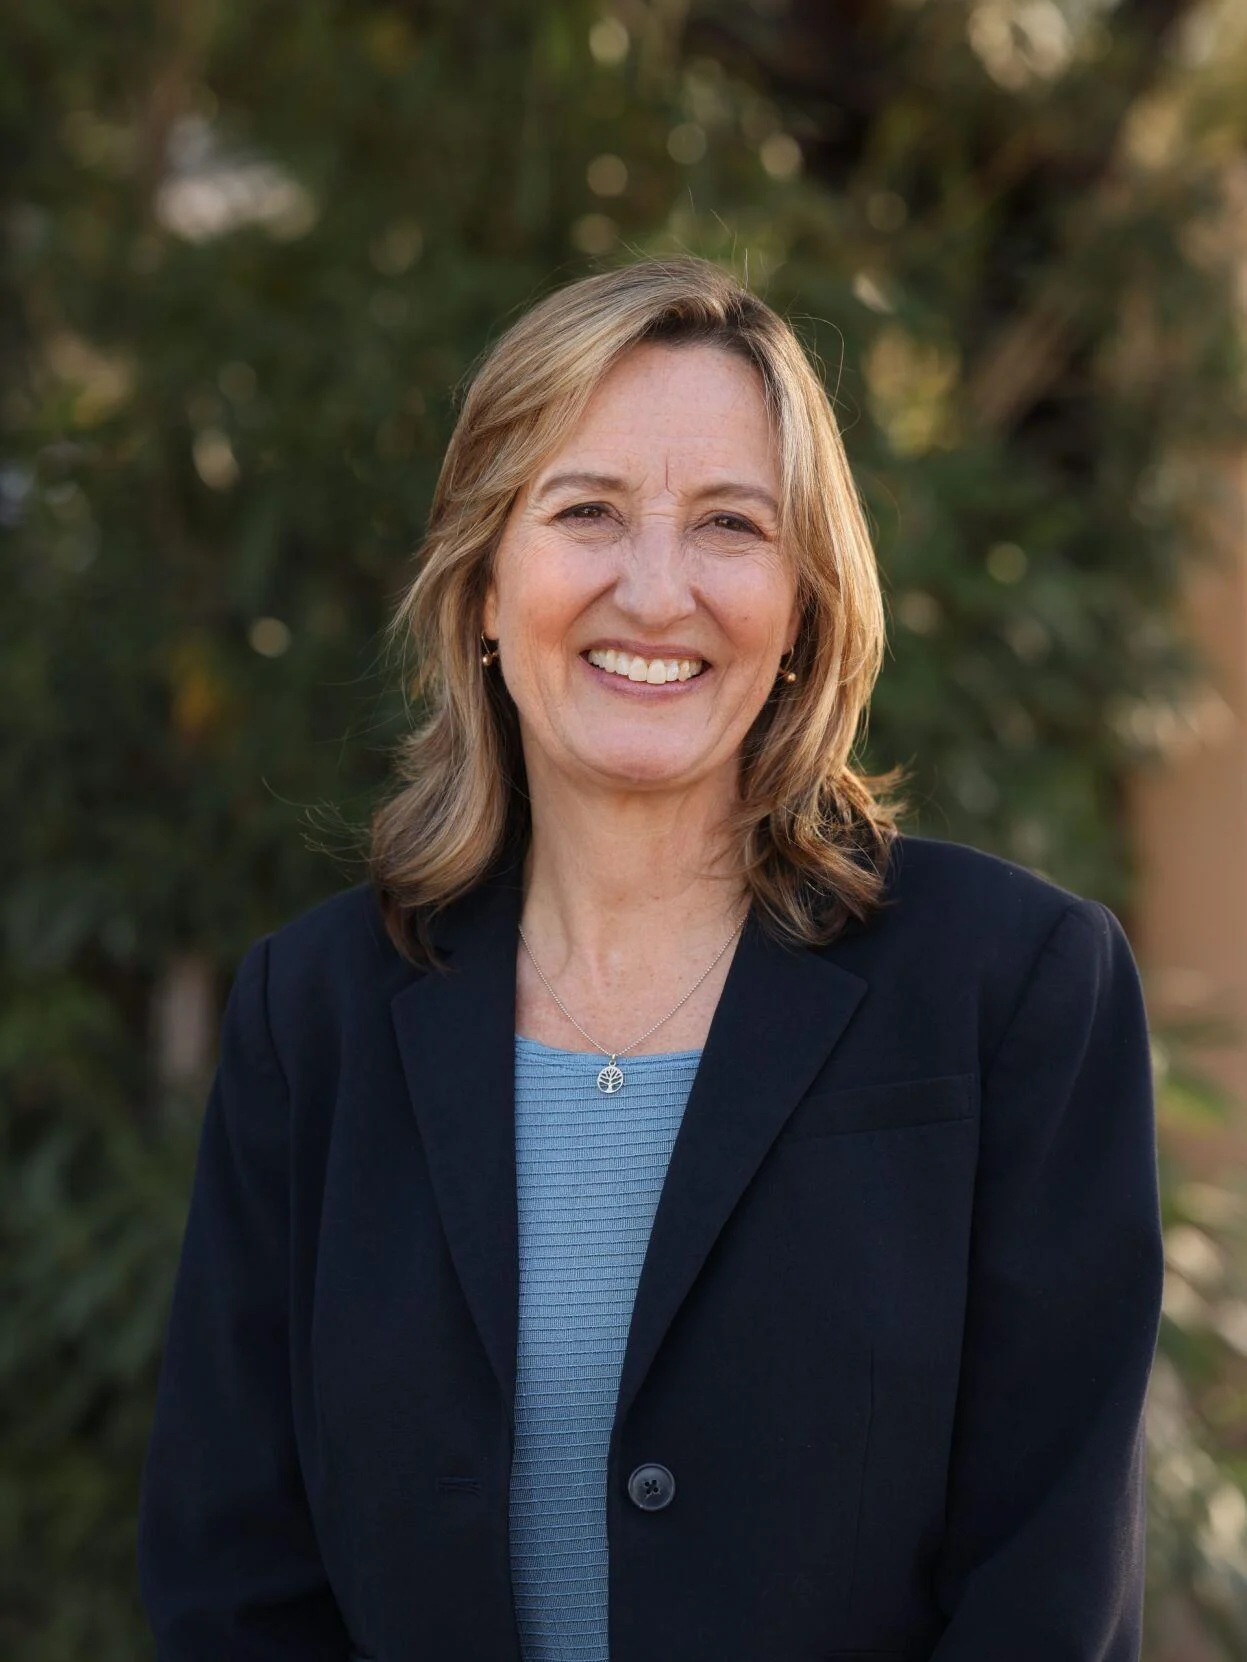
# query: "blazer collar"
[[780, 1013]]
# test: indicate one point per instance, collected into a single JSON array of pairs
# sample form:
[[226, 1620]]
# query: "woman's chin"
[[644, 768]]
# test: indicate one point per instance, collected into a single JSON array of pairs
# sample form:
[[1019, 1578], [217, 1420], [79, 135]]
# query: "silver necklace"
[[611, 1077]]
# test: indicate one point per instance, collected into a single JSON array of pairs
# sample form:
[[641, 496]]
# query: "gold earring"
[[786, 674], [489, 654]]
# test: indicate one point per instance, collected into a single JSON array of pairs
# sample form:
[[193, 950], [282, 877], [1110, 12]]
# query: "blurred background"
[[251, 251]]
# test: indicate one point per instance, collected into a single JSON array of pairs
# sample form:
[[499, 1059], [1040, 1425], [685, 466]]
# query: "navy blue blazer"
[[891, 1339]]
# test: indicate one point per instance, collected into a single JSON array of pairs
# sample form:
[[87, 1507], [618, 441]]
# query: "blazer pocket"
[[886, 1107]]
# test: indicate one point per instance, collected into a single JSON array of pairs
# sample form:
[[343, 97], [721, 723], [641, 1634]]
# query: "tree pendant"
[[610, 1079]]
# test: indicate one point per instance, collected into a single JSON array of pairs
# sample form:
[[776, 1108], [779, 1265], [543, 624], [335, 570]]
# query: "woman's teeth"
[[657, 671]]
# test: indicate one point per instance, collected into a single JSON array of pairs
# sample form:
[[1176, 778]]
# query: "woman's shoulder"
[[347, 920], [929, 871], [970, 910], [333, 950], [962, 930]]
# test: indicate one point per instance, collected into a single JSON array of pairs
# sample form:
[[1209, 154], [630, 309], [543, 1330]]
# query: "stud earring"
[[489, 654], [784, 673]]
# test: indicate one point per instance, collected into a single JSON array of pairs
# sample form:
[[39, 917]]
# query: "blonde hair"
[[812, 833]]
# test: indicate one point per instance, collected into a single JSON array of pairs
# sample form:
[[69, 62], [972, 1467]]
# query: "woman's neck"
[[627, 898], [628, 871], [625, 905]]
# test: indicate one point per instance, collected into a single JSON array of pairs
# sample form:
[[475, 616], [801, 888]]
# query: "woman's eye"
[[732, 522], [583, 511]]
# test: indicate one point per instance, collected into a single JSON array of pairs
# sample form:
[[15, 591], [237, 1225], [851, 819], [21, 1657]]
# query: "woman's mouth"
[[657, 672]]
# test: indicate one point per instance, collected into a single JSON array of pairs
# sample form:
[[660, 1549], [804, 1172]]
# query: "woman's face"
[[640, 596]]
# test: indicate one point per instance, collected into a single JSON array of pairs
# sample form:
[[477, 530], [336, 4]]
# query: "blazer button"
[[651, 1487]]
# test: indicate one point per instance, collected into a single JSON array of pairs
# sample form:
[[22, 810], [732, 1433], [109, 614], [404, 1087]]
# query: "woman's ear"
[[489, 613]]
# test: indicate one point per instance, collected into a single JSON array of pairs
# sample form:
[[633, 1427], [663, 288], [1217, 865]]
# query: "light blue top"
[[589, 1171]]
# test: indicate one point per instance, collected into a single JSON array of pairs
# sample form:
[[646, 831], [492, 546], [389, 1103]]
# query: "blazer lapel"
[[779, 1015], [456, 1036], [781, 1012]]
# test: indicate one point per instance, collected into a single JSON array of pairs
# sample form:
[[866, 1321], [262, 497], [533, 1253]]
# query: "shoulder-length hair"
[[811, 833]]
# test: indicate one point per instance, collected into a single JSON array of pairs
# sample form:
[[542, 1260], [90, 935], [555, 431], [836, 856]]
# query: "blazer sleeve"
[[228, 1563], [1043, 1552]]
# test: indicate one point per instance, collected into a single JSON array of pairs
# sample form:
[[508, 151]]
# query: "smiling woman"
[[665, 1211], [646, 463]]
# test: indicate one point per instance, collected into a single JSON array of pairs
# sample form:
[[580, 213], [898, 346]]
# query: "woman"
[[660, 1154]]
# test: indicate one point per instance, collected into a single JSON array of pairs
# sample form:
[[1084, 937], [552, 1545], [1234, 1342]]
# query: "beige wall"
[[1190, 820]]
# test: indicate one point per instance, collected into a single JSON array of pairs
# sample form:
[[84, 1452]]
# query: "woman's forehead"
[[683, 418]]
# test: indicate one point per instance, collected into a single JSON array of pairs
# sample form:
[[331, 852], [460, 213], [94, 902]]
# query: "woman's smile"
[[657, 671]]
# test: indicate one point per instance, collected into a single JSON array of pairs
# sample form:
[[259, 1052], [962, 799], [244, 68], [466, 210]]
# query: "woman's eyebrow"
[[740, 493], [578, 481]]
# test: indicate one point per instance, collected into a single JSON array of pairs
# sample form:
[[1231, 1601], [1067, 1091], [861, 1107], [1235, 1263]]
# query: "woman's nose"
[[653, 584]]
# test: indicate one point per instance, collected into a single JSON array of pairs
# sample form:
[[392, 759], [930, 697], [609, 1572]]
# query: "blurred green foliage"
[[251, 251], [1197, 1410]]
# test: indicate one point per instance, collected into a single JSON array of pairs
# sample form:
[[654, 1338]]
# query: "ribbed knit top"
[[589, 1171]]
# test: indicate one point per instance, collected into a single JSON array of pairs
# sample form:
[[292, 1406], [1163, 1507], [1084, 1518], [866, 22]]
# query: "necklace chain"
[[624, 1049]]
